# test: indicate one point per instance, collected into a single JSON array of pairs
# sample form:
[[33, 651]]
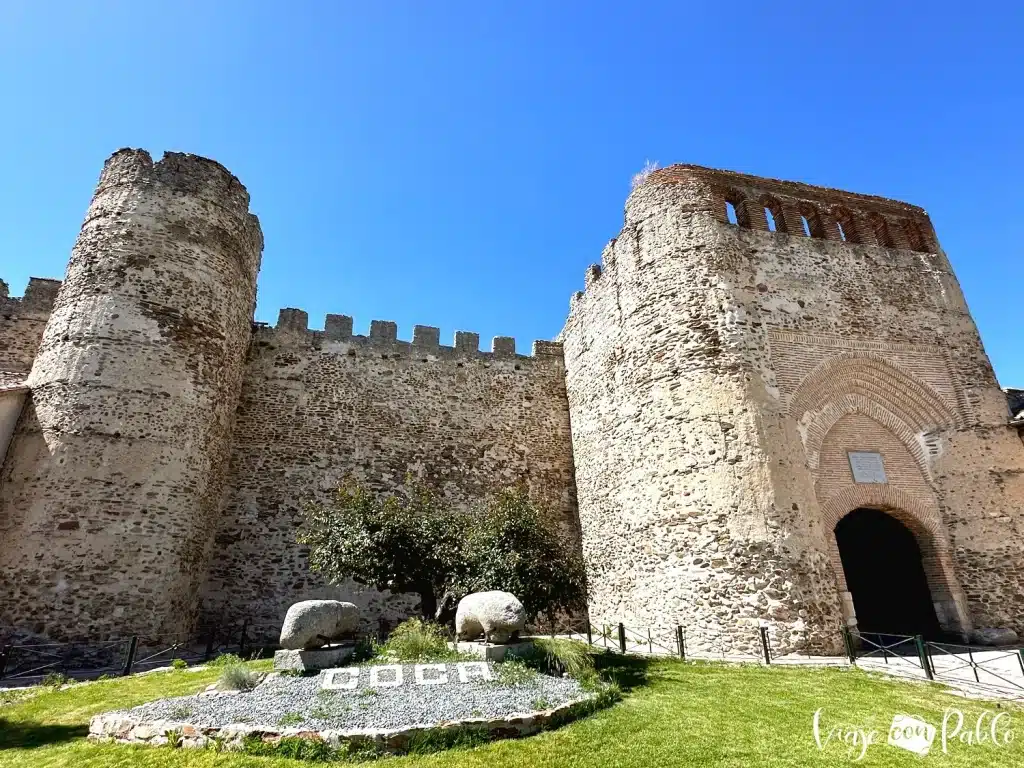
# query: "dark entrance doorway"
[[885, 576]]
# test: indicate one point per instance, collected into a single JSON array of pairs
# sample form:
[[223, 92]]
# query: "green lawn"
[[676, 715]]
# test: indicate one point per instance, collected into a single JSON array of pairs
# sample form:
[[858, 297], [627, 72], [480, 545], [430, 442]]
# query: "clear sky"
[[459, 164]]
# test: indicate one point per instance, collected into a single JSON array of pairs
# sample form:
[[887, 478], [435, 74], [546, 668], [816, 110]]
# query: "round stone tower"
[[113, 495]]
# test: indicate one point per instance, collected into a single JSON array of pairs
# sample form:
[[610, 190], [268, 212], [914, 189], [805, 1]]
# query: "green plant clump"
[[224, 660], [558, 656], [290, 718], [514, 672], [55, 679], [238, 677], [179, 664], [417, 641]]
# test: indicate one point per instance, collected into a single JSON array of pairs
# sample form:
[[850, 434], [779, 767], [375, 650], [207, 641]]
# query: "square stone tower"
[[782, 411]]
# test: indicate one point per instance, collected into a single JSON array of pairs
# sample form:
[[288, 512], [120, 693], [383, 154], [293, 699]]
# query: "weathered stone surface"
[[495, 651], [312, 659], [497, 616], [994, 636], [315, 623]]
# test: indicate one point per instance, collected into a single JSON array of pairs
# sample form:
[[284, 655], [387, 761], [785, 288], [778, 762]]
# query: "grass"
[[673, 714]]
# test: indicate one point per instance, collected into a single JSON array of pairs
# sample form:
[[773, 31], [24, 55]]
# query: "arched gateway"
[[883, 565]]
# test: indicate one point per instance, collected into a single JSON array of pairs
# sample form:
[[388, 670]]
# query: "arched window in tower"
[[773, 214], [881, 230], [810, 221], [736, 209], [914, 236], [845, 224]]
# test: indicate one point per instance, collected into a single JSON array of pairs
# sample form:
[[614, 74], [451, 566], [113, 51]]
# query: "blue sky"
[[460, 163]]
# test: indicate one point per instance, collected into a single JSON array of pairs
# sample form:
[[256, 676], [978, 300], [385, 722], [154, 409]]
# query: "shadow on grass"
[[628, 672], [28, 735]]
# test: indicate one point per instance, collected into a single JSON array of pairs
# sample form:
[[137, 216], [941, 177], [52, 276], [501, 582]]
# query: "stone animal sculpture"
[[316, 623], [498, 616]]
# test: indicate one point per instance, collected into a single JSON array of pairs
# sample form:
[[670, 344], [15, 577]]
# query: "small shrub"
[[238, 677], [173, 739], [417, 641], [179, 664], [180, 712], [558, 656], [367, 693], [224, 660], [54, 679], [641, 177], [540, 703], [290, 718], [515, 672]]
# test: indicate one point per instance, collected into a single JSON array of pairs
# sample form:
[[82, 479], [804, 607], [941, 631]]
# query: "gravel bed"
[[299, 702]]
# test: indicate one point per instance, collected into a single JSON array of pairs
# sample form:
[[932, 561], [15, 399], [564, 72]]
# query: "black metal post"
[[622, 637], [241, 639], [680, 645], [1020, 658], [5, 655], [974, 667], [851, 652], [129, 660], [590, 636], [210, 635], [763, 632], [922, 654]]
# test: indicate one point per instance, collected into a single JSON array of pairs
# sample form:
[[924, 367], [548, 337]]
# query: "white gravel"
[[299, 702]]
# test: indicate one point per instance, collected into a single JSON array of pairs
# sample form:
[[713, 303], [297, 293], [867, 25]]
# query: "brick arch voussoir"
[[920, 515], [872, 375]]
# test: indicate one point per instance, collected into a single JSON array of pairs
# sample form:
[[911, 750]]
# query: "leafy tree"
[[511, 546], [397, 543], [419, 543]]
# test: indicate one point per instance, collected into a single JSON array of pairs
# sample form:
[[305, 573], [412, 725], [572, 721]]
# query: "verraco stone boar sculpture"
[[498, 616], [316, 623]]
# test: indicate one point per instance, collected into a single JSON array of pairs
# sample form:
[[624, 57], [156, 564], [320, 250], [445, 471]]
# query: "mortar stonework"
[[689, 430]]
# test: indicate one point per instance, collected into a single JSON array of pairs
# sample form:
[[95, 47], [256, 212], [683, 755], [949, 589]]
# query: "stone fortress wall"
[[22, 321], [321, 406], [718, 374], [714, 377]]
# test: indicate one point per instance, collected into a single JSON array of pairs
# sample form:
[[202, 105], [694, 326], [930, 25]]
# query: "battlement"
[[39, 296], [293, 328], [799, 210]]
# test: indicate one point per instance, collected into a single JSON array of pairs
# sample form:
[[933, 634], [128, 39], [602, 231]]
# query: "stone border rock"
[[123, 729]]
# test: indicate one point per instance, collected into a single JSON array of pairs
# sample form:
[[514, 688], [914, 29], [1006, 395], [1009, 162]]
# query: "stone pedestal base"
[[312, 660], [495, 651]]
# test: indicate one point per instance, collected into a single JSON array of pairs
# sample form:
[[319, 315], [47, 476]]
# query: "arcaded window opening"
[[914, 237], [846, 225], [736, 210], [881, 229], [810, 219], [773, 214]]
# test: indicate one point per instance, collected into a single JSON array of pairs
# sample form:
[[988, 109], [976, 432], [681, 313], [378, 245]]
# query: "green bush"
[[179, 664], [514, 672], [55, 679], [290, 718], [238, 677], [417, 641], [224, 660], [558, 656]]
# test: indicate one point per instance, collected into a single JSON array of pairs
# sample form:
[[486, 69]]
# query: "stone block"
[[496, 651], [312, 660]]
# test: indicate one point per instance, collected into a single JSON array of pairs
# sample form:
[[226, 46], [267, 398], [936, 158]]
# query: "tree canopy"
[[417, 542]]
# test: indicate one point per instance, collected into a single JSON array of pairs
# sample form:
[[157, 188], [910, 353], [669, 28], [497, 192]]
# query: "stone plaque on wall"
[[867, 467]]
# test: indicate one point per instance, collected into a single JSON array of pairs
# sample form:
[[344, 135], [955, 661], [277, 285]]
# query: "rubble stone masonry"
[[719, 371], [690, 429]]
